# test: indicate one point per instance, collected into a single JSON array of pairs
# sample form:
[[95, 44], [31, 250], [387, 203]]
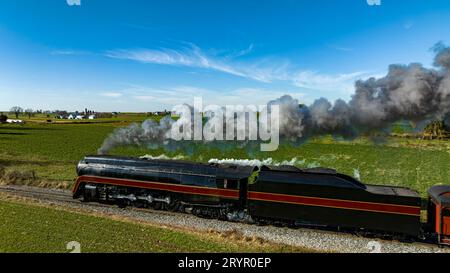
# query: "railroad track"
[[65, 196], [37, 193]]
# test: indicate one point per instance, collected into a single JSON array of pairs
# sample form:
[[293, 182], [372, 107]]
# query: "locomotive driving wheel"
[[173, 205]]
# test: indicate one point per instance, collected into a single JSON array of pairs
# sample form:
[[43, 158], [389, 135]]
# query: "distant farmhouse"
[[75, 116], [159, 113], [87, 114]]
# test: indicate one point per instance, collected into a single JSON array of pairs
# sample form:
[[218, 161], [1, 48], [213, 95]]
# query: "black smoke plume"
[[408, 92]]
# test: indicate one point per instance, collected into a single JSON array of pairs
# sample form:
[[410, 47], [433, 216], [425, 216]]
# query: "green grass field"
[[30, 228], [51, 151]]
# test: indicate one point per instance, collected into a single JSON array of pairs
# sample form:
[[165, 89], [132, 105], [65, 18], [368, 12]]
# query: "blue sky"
[[150, 55]]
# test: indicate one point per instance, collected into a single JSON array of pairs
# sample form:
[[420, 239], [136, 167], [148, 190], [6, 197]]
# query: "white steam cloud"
[[256, 162]]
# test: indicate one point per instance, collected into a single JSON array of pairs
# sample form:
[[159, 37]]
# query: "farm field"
[[119, 118], [46, 155], [36, 229]]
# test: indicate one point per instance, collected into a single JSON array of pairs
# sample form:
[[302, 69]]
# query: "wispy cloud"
[[342, 83], [168, 97], [408, 25], [242, 52], [342, 48], [188, 56], [193, 56], [144, 97], [112, 94], [68, 52], [263, 70]]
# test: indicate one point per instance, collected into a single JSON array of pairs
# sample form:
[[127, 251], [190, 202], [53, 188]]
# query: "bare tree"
[[29, 112], [16, 110]]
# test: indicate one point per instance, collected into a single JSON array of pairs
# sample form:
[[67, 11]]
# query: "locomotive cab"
[[439, 213]]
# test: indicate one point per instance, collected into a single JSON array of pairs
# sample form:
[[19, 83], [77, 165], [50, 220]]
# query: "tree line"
[[17, 111]]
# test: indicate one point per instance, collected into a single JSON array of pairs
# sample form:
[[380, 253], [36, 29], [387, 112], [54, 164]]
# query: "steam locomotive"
[[276, 195]]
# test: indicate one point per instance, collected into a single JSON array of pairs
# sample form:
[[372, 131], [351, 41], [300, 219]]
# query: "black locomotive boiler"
[[273, 195]]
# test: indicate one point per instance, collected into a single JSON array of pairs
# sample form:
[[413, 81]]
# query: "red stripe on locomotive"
[[224, 193], [335, 203]]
